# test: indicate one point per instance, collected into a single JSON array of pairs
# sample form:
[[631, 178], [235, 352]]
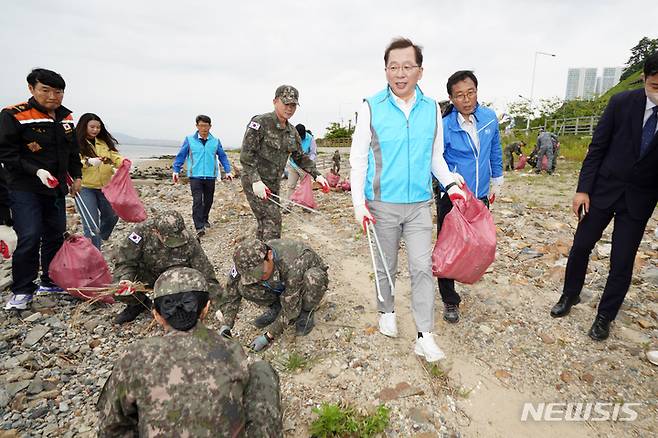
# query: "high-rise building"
[[583, 83], [610, 77]]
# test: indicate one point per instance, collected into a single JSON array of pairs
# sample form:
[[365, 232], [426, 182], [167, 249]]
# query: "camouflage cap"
[[177, 280], [287, 94], [248, 258], [171, 226]]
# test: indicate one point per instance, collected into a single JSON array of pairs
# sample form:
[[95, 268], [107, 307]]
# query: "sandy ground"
[[505, 351]]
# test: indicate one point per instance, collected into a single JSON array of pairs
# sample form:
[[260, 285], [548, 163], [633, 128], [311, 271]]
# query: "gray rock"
[[5, 282], [5, 398], [486, 329], [54, 322], [16, 387], [15, 361], [650, 275], [92, 324], [35, 335], [3, 345], [63, 407], [34, 317], [35, 387], [39, 412]]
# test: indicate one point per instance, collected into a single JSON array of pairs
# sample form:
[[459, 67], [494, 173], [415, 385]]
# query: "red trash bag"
[[304, 193], [122, 195], [522, 162], [466, 244], [346, 186], [332, 179], [79, 264]]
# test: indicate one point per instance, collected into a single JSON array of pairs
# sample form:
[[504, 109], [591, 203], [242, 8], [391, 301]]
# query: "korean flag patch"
[[234, 272], [135, 238], [254, 125]]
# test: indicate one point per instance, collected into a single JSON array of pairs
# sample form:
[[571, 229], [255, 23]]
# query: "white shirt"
[[361, 146], [468, 125], [648, 111]]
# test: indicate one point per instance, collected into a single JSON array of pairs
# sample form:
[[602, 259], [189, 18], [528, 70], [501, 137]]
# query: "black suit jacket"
[[613, 166]]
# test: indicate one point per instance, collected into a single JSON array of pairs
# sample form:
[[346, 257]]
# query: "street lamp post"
[[532, 86]]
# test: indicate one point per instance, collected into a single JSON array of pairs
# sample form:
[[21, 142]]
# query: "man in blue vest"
[[200, 151], [310, 149], [396, 147]]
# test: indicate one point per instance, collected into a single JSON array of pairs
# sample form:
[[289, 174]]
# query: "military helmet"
[[171, 226], [177, 280], [249, 257]]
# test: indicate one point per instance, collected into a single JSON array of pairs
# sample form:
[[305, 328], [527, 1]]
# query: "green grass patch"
[[294, 361], [337, 421]]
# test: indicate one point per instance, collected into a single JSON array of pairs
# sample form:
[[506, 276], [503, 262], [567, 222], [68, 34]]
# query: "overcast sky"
[[149, 67]]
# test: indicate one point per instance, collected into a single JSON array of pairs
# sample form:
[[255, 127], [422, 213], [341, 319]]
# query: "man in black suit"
[[618, 179]]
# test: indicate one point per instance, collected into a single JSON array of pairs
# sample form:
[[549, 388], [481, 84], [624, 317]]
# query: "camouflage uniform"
[[508, 154], [299, 281], [142, 256], [196, 384], [336, 167], [265, 150]]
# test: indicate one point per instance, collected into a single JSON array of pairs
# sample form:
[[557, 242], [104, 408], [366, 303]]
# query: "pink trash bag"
[[544, 163], [522, 162], [466, 244], [346, 186], [122, 195], [79, 264], [304, 193], [332, 179]]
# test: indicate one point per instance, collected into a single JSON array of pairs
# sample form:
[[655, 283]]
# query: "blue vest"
[[400, 155], [202, 160], [306, 143]]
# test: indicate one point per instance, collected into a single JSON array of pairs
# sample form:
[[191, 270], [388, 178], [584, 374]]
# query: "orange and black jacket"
[[31, 140]]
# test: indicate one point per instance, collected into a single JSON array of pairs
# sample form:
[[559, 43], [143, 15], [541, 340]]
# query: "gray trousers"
[[413, 223], [548, 151], [294, 176]]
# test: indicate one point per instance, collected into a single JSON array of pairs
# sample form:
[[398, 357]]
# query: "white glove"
[[260, 189], [8, 241], [174, 177], [496, 185], [323, 182], [455, 192], [458, 179], [47, 179], [228, 176], [94, 161], [363, 216]]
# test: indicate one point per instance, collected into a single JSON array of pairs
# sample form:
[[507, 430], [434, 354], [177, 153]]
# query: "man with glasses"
[[396, 147], [39, 150], [268, 142], [473, 151]]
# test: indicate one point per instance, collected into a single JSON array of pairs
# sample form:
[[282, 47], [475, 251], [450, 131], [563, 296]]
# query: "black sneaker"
[[304, 323], [451, 313], [268, 316], [207, 225], [200, 233], [130, 313]]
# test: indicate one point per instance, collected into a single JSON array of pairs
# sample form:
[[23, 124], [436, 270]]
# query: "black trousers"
[[447, 285], [626, 237], [203, 192]]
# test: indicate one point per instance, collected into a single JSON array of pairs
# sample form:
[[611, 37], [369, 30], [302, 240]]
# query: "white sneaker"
[[426, 347], [652, 356], [387, 325]]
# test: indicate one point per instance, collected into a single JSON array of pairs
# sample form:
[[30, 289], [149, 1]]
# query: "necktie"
[[648, 131]]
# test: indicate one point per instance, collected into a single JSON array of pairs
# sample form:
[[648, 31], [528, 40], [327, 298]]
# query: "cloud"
[[148, 68]]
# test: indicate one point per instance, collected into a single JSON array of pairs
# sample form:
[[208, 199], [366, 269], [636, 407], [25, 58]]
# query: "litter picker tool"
[[312, 210], [86, 216], [374, 262]]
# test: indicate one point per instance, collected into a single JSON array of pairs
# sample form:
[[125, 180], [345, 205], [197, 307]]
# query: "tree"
[[644, 48], [337, 130]]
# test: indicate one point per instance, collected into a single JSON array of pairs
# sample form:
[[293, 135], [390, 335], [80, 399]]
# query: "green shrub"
[[336, 421]]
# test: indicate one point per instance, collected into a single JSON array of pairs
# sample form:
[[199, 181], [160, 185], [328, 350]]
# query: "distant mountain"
[[129, 139]]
